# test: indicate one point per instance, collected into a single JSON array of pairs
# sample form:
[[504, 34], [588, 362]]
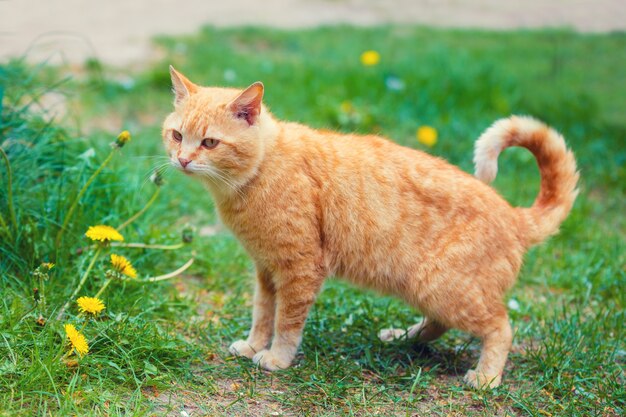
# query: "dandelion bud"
[[41, 272], [48, 265], [122, 138], [188, 232], [70, 363], [157, 178]]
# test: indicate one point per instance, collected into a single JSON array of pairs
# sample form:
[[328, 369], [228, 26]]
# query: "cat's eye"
[[210, 143], [177, 136]]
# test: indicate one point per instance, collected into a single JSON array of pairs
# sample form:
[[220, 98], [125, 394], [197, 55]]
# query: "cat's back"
[[367, 170], [334, 153], [356, 162]]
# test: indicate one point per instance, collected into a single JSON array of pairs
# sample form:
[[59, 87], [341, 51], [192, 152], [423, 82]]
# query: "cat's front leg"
[[294, 297], [262, 318]]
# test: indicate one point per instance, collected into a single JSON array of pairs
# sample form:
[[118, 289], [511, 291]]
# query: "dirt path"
[[118, 32]]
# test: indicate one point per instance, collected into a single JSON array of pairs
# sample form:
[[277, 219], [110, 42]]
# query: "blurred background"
[[118, 32]]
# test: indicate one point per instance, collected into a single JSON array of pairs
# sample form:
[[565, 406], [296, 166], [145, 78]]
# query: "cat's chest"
[[247, 223], [273, 227], [234, 216]]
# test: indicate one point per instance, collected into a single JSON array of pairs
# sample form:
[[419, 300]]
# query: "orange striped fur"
[[308, 204]]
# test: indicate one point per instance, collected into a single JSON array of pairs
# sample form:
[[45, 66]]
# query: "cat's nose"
[[184, 162]]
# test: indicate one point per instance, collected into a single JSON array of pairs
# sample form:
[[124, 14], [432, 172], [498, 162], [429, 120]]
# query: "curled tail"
[[556, 165]]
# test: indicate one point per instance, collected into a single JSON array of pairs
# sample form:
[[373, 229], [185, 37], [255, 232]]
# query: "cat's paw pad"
[[389, 335], [270, 361], [242, 348], [481, 381]]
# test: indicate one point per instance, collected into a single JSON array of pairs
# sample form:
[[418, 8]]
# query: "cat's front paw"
[[481, 381], [242, 348], [271, 361]]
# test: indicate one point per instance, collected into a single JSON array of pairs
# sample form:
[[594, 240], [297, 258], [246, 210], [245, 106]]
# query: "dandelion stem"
[[173, 273], [104, 287], [136, 246], [42, 300], [83, 279], [9, 194], [82, 191], [142, 211], [146, 246], [3, 226]]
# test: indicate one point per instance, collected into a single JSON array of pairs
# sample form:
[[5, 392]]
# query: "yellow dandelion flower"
[[370, 58], [346, 107], [123, 265], [48, 265], [427, 135], [103, 233], [77, 339], [90, 305], [123, 138]]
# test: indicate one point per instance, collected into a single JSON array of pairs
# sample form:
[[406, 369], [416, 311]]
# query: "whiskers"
[[217, 176], [161, 165]]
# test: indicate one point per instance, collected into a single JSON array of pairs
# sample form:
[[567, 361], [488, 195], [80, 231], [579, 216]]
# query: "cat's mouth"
[[187, 171], [184, 169]]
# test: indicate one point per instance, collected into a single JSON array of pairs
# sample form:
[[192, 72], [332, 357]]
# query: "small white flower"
[[230, 75], [513, 304], [87, 155], [394, 83], [180, 48], [127, 83]]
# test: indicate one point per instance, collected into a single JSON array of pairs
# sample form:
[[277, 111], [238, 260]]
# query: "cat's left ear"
[[247, 105], [181, 86]]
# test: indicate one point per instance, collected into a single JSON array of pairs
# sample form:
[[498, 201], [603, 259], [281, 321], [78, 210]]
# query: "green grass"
[[160, 348]]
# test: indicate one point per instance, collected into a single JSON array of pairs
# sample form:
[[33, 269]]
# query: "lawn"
[[159, 348]]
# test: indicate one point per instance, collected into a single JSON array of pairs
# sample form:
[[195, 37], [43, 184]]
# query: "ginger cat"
[[308, 204]]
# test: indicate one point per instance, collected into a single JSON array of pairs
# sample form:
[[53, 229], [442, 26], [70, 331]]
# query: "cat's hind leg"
[[497, 339], [425, 331]]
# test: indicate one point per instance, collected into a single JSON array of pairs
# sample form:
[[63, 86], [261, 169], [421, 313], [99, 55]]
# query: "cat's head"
[[217, 133]]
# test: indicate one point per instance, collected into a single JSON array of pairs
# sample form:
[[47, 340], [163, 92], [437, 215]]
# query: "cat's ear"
[[181, 86], [247, 105]]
